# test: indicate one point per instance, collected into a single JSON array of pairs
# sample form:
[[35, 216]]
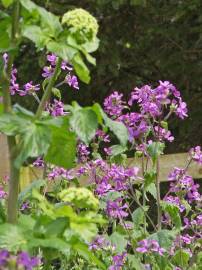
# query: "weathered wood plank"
[[167, 162]]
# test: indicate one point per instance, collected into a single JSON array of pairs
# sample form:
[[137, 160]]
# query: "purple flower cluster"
[[153, 101], [82, 153], [150, 245], [56, 108], [100, 243], [117, 209], [184, 185], [114, 104], [118, 261], [48, 71], [196, 154], [23, 260]]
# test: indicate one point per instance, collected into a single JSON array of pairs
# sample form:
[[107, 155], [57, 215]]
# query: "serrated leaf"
[[62, 50], [62, 149], [119, 241], [81, 69], [34, 141], [84, 122], [164, 237], [36, 34]]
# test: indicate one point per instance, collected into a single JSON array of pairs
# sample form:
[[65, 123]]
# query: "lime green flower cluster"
[[82, 23], [80, 197]]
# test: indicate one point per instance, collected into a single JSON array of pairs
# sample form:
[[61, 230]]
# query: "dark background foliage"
[[141, 42]]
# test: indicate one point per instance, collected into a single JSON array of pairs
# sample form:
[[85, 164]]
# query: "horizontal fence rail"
[[167, 163]]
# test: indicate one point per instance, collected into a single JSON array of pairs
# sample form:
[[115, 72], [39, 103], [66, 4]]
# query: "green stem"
[[12, 210], [48, 90], [158, 191]]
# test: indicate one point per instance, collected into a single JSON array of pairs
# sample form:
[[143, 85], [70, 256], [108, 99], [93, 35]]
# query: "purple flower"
[[72, 81], [5, 59], [114, 105], [3, 193], [163, 134], [116, 209], [150, 245], [176, 201], [82, 152], [118, 261], [98, 243], [4, 256], [47, 71], [196, 154], [39, 162], [56, 108], [181, 110], [52, 58], [66, 66], [28, 262]]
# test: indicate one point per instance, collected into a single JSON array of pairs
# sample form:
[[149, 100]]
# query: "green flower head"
[[82, 23]]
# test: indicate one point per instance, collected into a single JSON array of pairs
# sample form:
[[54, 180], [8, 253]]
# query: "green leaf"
[[12, 237], [84, 251], [34, 141], [173, 212], [138, 217], [151, 188], [119, 241], [62, 149], [155, 149], [181, 258], [7, 3], [56, 92], [118, 128], [37, 184], [52, 242], [117, 149], [164, 237], [62, 50], [135, 263], [84, 122], [35, 34], [91, 46], [81, 69], [49, 22], [11, 124], [56, 227]]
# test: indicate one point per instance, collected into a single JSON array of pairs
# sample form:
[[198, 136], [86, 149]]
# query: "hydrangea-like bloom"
[[81, 22]]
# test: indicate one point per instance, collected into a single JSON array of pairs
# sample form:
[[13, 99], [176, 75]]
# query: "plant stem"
[[158, 191], [48, 90], [12, 210]]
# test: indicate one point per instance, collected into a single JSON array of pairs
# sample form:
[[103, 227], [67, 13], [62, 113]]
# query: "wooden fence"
[[167, 162]]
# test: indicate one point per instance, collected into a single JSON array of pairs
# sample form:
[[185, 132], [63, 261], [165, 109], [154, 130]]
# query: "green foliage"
[[173, 212], [80, 197], [62, 148], [181, 258], [6, 3], [84, 123], [164, 238], [155, 149], [119, 241]]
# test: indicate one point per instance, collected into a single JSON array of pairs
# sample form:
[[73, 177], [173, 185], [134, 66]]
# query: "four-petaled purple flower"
[[117, 209], [149, 246]]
